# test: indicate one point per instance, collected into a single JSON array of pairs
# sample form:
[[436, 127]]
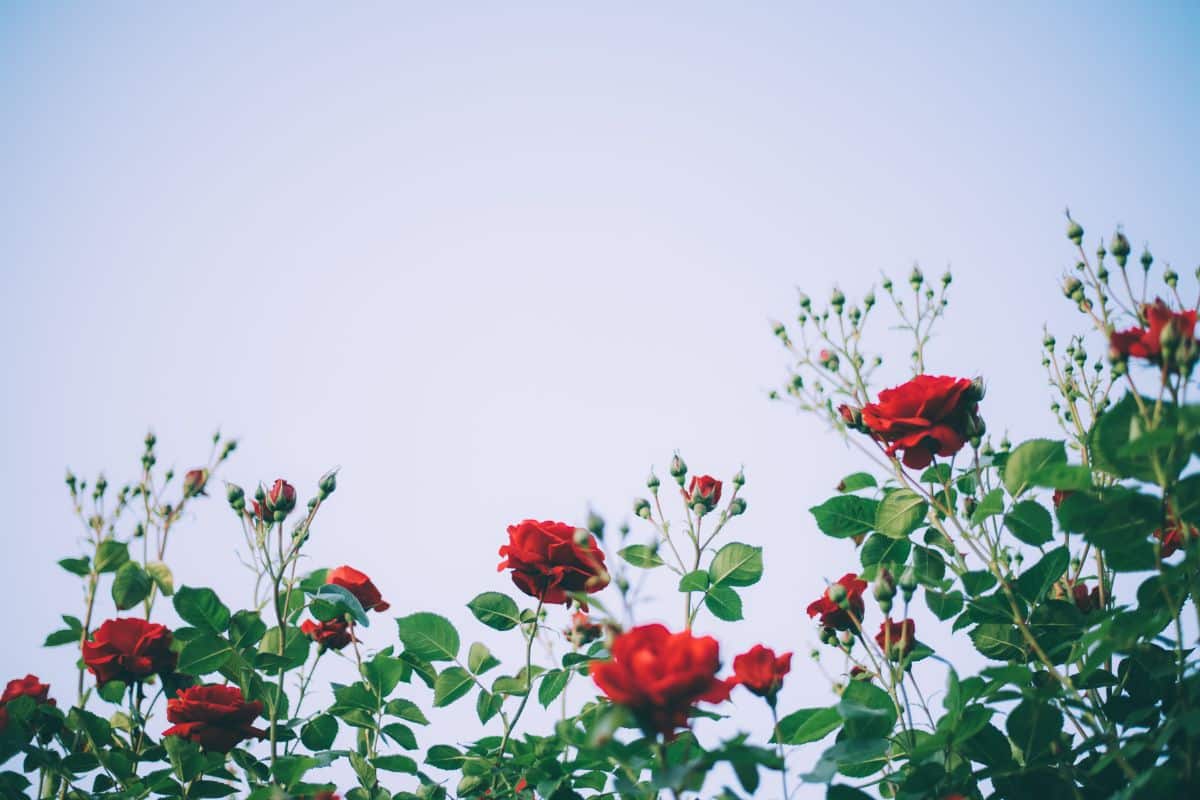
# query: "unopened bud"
[[1073, 289], [150, 440], [1074, 231], [737, 506], [652, 482], [327, 485], [1048, 342], [71, 482], [805, 301], [1171, 277], [837, 300], [887, 284], [908, 579], [229, 447], [1146, 259], [641, 507], [916, 278], [194, 482], [869, 301], [739, 479], [678, 469], [779, 330], [885, 605], [1120, 248], [885, 585], [236, 497], [595, 524], [947, 278]]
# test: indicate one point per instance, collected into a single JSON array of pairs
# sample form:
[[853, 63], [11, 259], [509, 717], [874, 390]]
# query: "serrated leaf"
[[318, 733], [736, 564], [808, 725], [201, 608], [641, 555], [160, 573], [451, 684], [856, 481], [553, 683], [845, 516], [480, 659], [1030, 522], [131, 585], [991, 505], [694, 581], [496, 610], [724, 603], [1037, 580], [429, 636], [900, 513], [1028, 459]]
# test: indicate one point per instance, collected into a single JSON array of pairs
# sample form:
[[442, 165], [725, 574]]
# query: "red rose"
[[926, 417], [29, 686], [332, 635], [859, 674], [1174, 327], [1086, 601], [703, 493], [128, 649], [360, 586], [213, 716], [281, 499], [548, 562], [761, 671], [194, 481], [896, 639], [1059, 496], [1175, 537], [659, 676], [832, 614]]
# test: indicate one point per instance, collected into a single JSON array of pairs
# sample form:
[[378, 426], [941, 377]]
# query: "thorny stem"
[[508, 729]]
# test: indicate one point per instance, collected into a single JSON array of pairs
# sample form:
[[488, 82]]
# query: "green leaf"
[[944, 605], [295, 650], [641, 555], [201, 608], [998, 641], [880, 549], [185, 757], [1037, 580], [131, 585], [808, 725], [1030, 522], [343, 601], [1071, 477], [991, 505], [113, 691], [736, 564], [384, 672], [429, 636], [978, 581], [451, 684], [76, 566], [396, 763], [246, 629], [845, 516], [110, 555], [288, 770], [401, 734], [856, 481], [406, 709], [724, 603], [1033, 725], [1028, 459], [487, 705], [203, 654], [1115, 434], [160, 573], [319, 732], [496, 610], [553, 683], [867, 711], [480, 659], [694, 581], [900, 513]]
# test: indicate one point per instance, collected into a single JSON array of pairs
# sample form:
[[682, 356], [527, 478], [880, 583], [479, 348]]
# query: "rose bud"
[[281, 499], [1119, 247], [641, 507], [678, 469], [703, 493], [236, 497], [737, 506], [128, 649], [213, 716], [761, 671], [333, 634], [838, 602], [327, 485], [896, 639], [1074, 231], [194, 481]]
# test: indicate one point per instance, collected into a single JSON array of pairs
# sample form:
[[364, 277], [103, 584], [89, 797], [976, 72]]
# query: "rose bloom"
[[548, 563], [761, 671], [926, 417], [896, 639], [358, 585], [213, 716], [1147, 342], [29, 686], [659, 676], [128, 649], [1174, 538], [704, 491], [833, 615], [332, 635]]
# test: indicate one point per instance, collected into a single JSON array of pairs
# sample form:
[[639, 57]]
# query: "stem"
[[779, 747], [528, 679]]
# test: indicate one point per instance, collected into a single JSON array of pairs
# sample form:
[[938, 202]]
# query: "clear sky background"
[[496, 262]]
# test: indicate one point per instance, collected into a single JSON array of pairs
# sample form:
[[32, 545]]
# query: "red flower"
[[833, 615], [521, 786], [926, 417], [896, 639], [194, 481], [1175, 537], [213, 716], [281, 499], [128, 649], [859, 674], [29, 686], [1086, 601], [548, 562], [703, 493], [659, 676], [761, 671], [360, 586], [332, 635], [1059, 496], [583, 630], [1147, 343]]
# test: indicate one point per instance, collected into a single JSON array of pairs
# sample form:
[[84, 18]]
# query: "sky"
[[499, 262]]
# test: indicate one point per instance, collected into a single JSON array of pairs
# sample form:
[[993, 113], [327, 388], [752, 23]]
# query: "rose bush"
[[1070, 565]]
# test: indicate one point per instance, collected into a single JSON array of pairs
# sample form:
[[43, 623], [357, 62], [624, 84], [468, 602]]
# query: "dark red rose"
[[521, 786], [761, 671], [128, 649], [1086, 601], [194, 481], [332, 635], [29, 686], [896, 639], [832, 614], [281, 499], [1162, 324], [360, 586], [1059, 496], [659, 676], [703, 493], [926, 417], [859, 674], [1175, 537], [548, 561], [213, 716], [583, 630]]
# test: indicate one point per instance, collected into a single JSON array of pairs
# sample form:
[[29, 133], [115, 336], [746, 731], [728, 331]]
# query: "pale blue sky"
[[496, 263]]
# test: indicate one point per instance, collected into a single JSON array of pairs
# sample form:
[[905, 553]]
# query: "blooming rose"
[[659, 676], [761, 671], [1148, 342], [213, 716], [703, 493], [128, 649], [1086, 601], [896, 639], [548, 562], [358, 585], [332, 635], [29, 686], [281, 499], [832, 614], [194, 481], [926, 417]]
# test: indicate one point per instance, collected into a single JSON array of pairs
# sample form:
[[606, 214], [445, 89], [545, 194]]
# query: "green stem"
[[508, 729]]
